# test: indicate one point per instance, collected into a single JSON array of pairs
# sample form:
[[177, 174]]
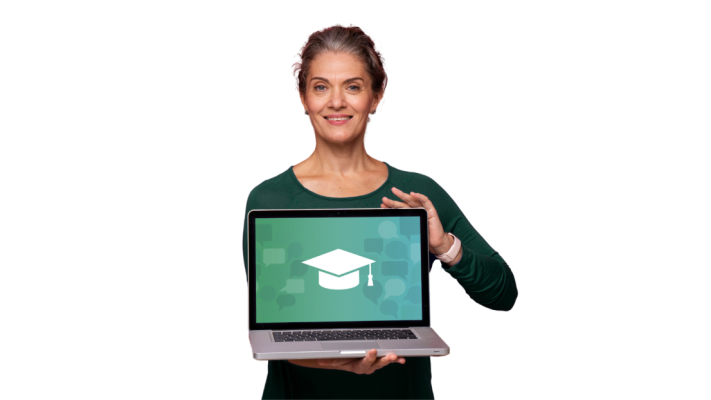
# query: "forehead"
[[337, 66]]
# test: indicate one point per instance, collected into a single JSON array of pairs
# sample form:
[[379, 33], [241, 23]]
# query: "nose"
[[337, 99]]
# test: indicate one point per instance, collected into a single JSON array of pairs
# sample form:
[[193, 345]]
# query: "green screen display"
[[338, 269]]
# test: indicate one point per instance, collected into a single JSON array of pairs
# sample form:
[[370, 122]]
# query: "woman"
[[341, 81]]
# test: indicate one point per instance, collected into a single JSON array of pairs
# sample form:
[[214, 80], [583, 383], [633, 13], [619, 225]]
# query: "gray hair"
[[342, 39]]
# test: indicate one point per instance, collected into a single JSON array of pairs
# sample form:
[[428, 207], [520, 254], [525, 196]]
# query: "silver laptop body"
[[335, 283]]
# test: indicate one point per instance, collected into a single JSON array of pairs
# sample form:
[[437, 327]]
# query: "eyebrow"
[[346, 81]]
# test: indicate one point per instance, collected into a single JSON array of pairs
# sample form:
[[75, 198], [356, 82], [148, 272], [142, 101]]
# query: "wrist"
[[447, 243], [452, 254]]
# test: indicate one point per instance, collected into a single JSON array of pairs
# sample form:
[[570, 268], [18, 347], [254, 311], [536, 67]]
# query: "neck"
[[339, 158]]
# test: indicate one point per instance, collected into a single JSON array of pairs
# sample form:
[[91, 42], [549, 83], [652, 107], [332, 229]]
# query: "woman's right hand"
[[367, 365]]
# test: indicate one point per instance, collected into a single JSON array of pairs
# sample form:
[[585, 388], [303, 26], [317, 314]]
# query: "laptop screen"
[[338, 269]]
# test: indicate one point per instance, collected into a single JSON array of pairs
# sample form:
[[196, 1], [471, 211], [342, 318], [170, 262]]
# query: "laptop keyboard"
[[356, 334]]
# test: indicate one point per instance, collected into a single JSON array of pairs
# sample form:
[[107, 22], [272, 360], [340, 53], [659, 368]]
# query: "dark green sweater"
[[482, 273]]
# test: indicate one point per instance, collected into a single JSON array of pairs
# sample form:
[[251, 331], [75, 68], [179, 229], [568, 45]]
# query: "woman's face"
[[338, 97]]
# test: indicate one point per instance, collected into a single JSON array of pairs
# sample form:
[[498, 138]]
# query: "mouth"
[[339, 118]]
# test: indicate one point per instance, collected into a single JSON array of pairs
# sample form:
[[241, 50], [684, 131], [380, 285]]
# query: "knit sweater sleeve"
[[481, 271]]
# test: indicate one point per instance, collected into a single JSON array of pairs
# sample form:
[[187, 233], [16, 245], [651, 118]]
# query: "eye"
[[320, 88], [354, 87]]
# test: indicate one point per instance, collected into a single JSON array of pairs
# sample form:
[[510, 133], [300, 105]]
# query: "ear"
[[377, 99]]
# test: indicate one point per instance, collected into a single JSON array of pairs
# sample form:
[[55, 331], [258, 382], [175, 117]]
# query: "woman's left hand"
[[440, 242]]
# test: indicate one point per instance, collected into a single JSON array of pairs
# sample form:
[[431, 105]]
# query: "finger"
[[367, 361], [406, 198], [325, 361], [383, 206], [399, 360], [397, 204], [385, 360], [394, 204], [365, 366], [424, 200], [371, 356], [429, 206]]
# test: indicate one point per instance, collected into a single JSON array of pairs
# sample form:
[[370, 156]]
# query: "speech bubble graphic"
[[416, 273], [373, 292], [409, 226], [414, 295], [387, 230], [415, 254], [258, 270], [285, 300], [375, 267], [273, 256], [297, 268], [389, 307], [373, 245], [394, 287], [257, 283], [267, 293], [396, 250], [294, 250], [410, 312], [263, 233], [396, 268], [294, 286]]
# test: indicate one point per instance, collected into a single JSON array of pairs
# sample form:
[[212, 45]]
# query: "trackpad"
[[349, 345]]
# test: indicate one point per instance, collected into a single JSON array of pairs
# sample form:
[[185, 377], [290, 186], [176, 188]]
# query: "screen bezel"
[[338, 213]]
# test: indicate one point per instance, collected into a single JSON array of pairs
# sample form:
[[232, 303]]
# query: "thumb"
[[325, 361]]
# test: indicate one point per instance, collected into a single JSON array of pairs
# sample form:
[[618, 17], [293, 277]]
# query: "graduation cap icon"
[[339, 269]]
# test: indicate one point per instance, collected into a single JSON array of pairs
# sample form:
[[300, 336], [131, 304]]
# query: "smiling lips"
[[338, 119]]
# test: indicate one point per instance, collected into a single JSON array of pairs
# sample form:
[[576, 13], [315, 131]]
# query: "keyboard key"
[[356, 334]]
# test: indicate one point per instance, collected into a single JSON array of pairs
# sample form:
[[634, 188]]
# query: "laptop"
[[335, 283]]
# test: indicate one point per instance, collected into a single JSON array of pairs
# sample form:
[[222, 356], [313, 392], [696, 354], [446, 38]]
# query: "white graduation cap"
[[344, 267]]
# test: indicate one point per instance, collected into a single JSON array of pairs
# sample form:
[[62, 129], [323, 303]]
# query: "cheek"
[[361, 105], [314, 102]]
